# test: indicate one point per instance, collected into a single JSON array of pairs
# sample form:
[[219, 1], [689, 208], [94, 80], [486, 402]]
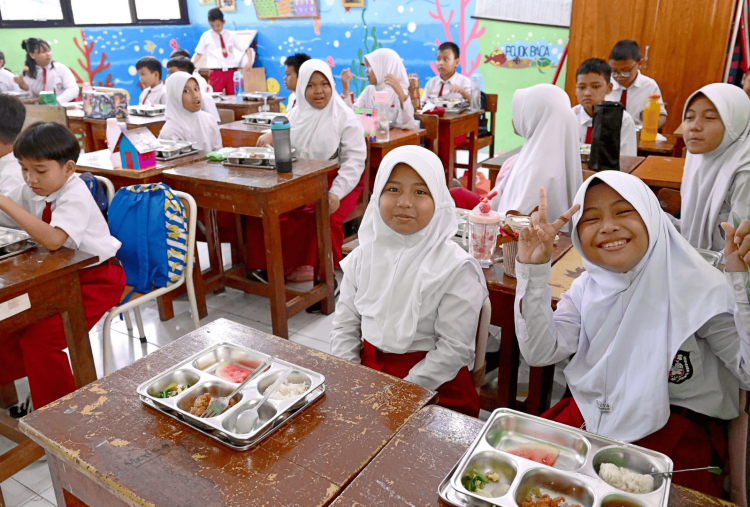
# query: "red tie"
[[588, 134], [223, 47], [47, 213], [44, 71], [294, 103], [440, 93], [146, 97], [624, 98]]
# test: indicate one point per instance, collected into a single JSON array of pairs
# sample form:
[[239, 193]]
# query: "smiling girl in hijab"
[[716, 182], [185, 120], [657, 356], [385, 72], [411, 297], [550, 158]]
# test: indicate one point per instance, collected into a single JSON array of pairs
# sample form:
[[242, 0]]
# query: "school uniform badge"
[[682, 368]]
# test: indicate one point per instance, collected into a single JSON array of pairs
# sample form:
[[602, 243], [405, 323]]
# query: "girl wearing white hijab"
[[323, 128], [410, 297], [550, 158], [385, 72], [716, 182], [185, 120], [650, 325]]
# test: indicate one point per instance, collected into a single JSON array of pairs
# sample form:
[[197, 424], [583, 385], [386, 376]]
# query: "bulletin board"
[[275, 9], [536, 12]]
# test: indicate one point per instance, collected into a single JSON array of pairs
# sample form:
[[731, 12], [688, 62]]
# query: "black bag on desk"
[[605, 137]]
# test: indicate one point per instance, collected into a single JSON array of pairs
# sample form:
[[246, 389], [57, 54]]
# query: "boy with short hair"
[[592, 85], [13, 113], [149, 74], [630, 87], [218, 45], [180, 63], [448, 84], [291, 72]]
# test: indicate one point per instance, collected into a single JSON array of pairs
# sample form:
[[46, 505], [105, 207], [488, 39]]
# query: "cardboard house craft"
[[137, 148]]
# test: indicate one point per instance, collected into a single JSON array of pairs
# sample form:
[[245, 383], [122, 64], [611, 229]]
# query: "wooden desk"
[[379, 149], [502, 290], [77, 125], [238, 133], [108, 449], [451, 126], [661, 172], [266, 194], [664, 148], [414, 463], [243, 107], [99, 128]]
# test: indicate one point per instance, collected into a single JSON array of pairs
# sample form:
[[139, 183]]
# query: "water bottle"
[[383, 125], [239, 87], [651, 118], [113, 134], [282, 144], [476, 93]]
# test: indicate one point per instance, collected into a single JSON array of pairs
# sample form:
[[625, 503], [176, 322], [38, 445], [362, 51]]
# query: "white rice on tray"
[[626, 479], [289, 390]]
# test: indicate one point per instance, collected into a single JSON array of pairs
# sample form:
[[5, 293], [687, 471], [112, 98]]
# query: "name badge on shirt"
[[604, 406]]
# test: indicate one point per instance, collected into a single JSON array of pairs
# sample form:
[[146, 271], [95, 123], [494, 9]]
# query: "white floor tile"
[[6, 444], [49, 495], [320, 329], [311, 342], [260, 311], [125, 350], [15, 493], [230, 300], [36, 477], [37, 501]]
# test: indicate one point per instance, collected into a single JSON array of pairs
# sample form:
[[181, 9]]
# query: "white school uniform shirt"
[[183, 125], [156, 95], [75, 212], [638, 93], [628, 138], [59, 80], [292, 102], [663, 333], [210, 45], [332, 133], [6, 81], [432, 88], [420, 292], [10, 174]]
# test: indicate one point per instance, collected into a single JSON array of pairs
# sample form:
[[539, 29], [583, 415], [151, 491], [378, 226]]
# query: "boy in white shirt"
[[218, 45], [592, 84], [291, 71], [149, 74], [630, 87], [449, 84], [57, 210], [7, 84], [13, 113]]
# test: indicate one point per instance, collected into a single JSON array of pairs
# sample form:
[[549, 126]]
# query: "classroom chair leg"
[[107, 346], [139, 323], [128, 322]]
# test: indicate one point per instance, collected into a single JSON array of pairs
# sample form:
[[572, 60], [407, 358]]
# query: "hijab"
[[401, 279], [191, 126], [386, 61], [550, 158], [633, 324], [707, 177], [316, 133]]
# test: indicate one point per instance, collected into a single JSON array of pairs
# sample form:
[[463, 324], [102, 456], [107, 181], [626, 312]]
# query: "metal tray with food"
[[143, 110], [173, 149], [264, 118], [517, 459], [14, 242], [253, 157], [258, 96], [452, 105], [185, 390], [714, 258]]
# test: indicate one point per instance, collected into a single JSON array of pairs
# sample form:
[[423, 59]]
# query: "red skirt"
[[299, 237], [465, 198], [459, 394], [691, 440]]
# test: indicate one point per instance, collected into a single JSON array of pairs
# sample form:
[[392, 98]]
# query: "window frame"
[[68, 21]]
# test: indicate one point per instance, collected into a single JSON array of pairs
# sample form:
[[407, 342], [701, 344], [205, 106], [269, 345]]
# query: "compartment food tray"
[[574, 474], [253, 157], [14, 242], [264, 118], [714, 258], [173, 149], [147, 110], [258, 96], [198, 372]]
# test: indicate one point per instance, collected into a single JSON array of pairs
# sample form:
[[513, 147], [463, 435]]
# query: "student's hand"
[[737, 247], [20, 82], [346, 76], [248, 67], [536, 241], [265, 139], [392, 81], [333, 203]]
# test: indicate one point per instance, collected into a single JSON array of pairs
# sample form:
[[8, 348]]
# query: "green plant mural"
[[358, 69]]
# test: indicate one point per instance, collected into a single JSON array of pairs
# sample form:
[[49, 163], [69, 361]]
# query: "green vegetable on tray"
[[171, 390], [473, 479]]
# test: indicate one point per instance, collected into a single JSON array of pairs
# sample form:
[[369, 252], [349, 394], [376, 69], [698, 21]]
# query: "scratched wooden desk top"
[[146, 458], [38, 265]]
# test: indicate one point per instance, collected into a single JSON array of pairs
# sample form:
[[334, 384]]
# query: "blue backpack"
[[97, 191], [150, 222]]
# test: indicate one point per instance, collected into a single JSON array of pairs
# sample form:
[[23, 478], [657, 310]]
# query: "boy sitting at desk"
[[291, 72], [448, 84], [149, 74]]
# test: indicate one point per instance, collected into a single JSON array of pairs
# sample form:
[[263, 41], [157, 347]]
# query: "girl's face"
[[318, 92], [191, 96], [702, 128], [612, 233], [406, 204], [371, 75], [42, 56]]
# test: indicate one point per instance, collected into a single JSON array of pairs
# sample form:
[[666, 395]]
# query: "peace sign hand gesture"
[[535, 242]]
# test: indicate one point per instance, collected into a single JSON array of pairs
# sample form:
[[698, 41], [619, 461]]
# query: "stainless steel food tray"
[[173, 149], [147, 111], [264, 118], [258, 96], [574, 474], [714, 258], [452, 106], [198, 369], [179, 154], [263, 157], [14, 242]]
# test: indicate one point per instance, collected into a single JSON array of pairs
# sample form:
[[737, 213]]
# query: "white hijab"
[[386, 61], [707, 177], [401, 279], [316, 133], [190, 126], [633, 324], [551, 156]]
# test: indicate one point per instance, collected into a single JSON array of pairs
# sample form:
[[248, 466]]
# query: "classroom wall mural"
[[506, 56]]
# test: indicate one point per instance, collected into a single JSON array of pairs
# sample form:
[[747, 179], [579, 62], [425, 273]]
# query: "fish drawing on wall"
[[149, 46], [330, 62], [496, 58]]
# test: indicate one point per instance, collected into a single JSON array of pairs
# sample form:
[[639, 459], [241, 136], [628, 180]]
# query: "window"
[[41, 13]]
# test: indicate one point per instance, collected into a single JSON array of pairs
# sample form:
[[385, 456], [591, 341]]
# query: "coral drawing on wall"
[[86, 47], [358, 68], [463, 39]]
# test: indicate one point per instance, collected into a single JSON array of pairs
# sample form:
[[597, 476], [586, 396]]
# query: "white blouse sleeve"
[[70, 87], [544, 337], [739, 196], [628, 137], [214, 136], [406, 116], [740, 283], [346, 336], [352, 158]]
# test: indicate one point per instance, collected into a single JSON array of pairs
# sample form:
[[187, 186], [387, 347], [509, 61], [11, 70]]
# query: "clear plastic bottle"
[[383, 125], [651, 118], [476, 93], [239, 87]]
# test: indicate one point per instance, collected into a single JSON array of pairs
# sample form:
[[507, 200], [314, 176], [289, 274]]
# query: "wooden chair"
[[226, 115], [737, 443], [39, 112], [364, 199], [669, 200], [483, 331], [431, 125], [489, 140]]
